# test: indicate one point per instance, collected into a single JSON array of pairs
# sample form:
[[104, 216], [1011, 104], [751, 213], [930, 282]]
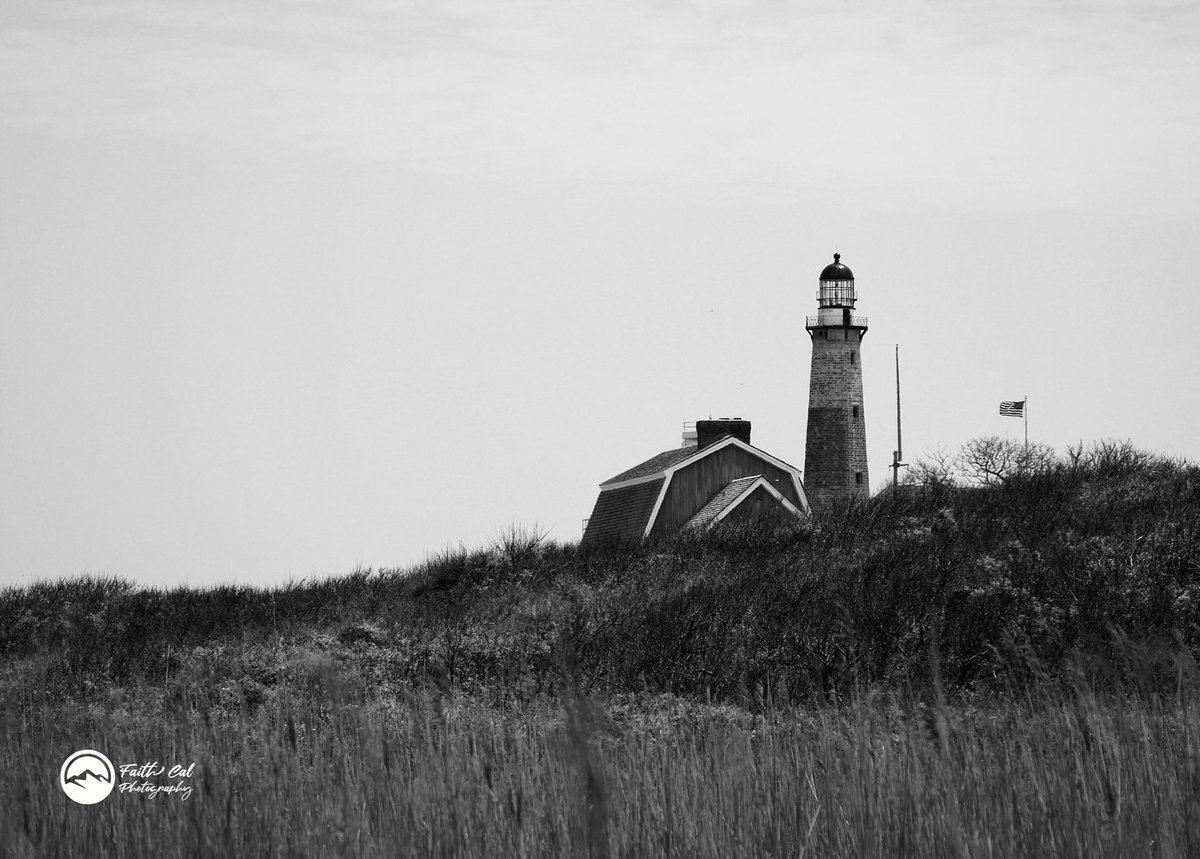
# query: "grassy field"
[[949, 671], [427, 774]]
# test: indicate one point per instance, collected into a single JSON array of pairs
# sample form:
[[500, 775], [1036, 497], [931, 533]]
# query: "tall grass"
[[426, 774]]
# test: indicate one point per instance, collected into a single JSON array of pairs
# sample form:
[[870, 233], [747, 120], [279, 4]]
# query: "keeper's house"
[[717, 476]]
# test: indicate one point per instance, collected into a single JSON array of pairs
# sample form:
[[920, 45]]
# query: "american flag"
[[1013, 410]]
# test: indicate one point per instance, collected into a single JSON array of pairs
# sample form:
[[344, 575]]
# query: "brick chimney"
[[709, 431]]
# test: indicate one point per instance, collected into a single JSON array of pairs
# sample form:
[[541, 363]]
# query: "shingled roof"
[[622, 513], [653, 465], [732, 491]]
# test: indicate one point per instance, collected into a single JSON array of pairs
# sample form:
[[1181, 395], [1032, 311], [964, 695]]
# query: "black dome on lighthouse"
[[836, 271]]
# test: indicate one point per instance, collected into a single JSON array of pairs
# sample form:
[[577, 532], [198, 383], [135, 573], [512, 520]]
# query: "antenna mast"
[[898, 453]]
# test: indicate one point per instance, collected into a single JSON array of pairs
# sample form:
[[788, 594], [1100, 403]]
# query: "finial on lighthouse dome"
[[837, 271]]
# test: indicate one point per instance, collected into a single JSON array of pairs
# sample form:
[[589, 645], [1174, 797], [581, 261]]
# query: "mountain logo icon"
[[87, 777]]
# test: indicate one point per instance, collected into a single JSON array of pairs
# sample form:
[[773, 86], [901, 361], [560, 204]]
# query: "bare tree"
[[1036, 457], [992, 459], [1109, 456], [932, 469]]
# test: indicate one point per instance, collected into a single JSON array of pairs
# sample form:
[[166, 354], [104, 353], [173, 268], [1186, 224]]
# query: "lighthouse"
[[835, 453]]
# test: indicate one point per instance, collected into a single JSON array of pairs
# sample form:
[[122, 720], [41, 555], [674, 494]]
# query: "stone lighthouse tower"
[[835, 453]]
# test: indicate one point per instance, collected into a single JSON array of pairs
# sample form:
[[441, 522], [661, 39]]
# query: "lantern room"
[[837, 285]]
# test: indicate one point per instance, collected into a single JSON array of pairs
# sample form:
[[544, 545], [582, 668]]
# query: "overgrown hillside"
[[1070, 563]]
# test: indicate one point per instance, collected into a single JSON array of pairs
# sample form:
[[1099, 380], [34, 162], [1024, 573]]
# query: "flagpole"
[[1025, 412], [898, 453]]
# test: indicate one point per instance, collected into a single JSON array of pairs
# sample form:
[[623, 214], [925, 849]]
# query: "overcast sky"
[[295, 286]]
